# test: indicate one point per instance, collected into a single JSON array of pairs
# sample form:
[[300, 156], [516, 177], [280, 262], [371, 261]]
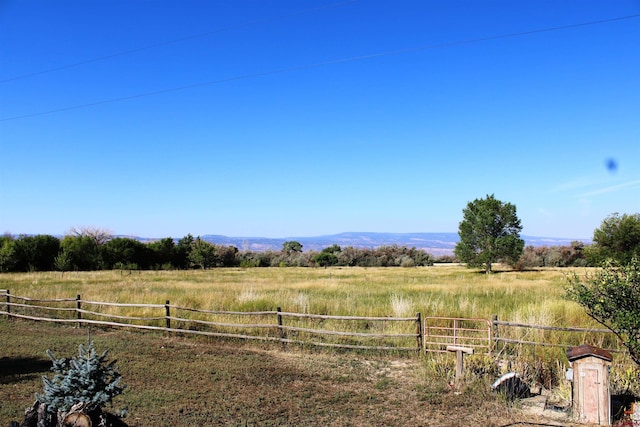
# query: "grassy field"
[[532, 296], [198, 381]]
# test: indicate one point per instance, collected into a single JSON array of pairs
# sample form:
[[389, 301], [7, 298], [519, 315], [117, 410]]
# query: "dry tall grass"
[[449, 290]]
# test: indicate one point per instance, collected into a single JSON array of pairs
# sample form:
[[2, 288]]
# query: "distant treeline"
[[94, 249], [88, 250]]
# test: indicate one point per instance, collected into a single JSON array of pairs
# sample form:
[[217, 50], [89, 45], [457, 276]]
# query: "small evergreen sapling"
[[86, 379]]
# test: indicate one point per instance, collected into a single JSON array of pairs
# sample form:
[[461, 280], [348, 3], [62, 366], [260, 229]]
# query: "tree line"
[[483, 240], [89, 251], [94, 249]]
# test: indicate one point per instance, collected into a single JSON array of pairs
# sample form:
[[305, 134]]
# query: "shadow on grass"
[[17, 369], [525, 424], [505, 271]]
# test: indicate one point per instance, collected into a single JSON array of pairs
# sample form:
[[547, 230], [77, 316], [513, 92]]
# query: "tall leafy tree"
[[163, 252], [227, 256], [82, 252], [489, 232], [617, 238], [203, 254], [183, 252], [7, 253], [83, 247], [123, 252], [36, 253]]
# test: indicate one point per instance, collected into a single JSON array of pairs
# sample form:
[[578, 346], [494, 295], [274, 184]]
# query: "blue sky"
[[290, 118]]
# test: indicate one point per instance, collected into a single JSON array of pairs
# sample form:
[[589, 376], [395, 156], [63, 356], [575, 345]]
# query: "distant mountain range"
[[433, 243]]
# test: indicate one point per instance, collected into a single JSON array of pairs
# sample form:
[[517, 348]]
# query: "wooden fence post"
[[494, 333], [419, 331], [282, 334], [8, 306], [78, 308], [167, 312], [460, 352]]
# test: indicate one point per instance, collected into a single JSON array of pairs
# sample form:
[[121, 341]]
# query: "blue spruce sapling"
[[86, 379]]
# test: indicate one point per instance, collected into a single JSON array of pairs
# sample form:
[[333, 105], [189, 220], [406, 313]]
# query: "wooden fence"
[[350, 332], [431, 334], [509, 334]]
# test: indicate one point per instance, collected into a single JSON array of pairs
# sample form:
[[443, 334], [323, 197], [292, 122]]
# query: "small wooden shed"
[[591, 394]]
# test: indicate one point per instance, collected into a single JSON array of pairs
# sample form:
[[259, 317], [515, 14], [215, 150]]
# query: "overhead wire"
[[180, 40], [323, 63]]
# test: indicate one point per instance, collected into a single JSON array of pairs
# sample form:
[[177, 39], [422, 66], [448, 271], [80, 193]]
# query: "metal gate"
[[440, 332]]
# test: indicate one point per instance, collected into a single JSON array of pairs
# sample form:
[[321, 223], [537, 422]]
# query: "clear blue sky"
[[287, 118]]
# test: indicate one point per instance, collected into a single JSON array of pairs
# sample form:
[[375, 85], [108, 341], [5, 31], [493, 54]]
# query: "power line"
[[179, 40], [320, 64]]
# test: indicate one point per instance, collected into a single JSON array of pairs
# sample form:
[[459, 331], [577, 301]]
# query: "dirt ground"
[[182, 381]]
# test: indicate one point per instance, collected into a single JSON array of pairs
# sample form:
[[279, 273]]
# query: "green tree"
[[36, 253], [618, 238], [489, 232], [123, 252], [203, 254], [325, 259], [227, 256], [62, 262], [183, 252], [611, 296], [328, 256], [163, 252], [83, 252], [83, 246], [7, 253], [333, 249], [291, 246]]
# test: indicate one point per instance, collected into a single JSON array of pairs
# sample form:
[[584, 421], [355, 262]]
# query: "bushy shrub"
[[553, 256], [611, 296]]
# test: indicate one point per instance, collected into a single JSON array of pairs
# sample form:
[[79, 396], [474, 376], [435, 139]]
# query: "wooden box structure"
[[591, 395]]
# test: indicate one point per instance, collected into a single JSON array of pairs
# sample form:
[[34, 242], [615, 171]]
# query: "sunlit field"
[[442, 290], [532, 297]]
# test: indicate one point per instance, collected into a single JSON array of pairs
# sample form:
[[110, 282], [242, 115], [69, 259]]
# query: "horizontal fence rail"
[[516, 333], [428, 334], [349, 332]]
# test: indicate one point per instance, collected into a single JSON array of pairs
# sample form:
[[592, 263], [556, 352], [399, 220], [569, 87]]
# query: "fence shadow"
[[17, 369]]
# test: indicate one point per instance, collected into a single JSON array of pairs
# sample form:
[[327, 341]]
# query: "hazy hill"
[[434, 243]]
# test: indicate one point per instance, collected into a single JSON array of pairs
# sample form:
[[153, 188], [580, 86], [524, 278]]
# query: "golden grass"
[[450, 290], [531, 297]]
